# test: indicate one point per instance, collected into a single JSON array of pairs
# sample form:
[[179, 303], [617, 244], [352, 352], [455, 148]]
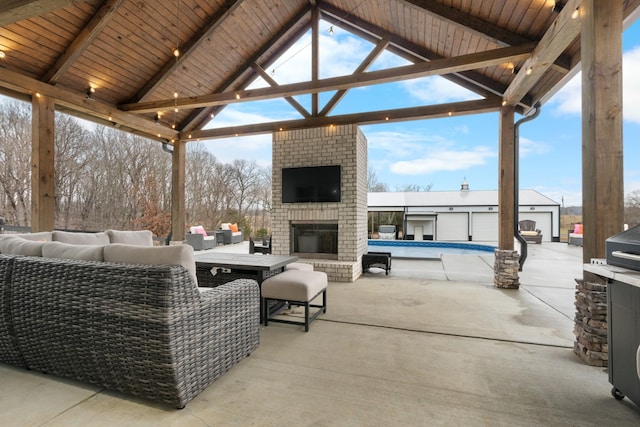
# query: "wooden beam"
[[17, 10], [267, 78], [506, 179], [602, 155], [42, 164], [471, 80], [88, 34], [373, 117], [203, 34], [375, 53], [86, 107], [442, 66], [201, 117], [558, 37], [483, 29], [178, 213], [315, 57]]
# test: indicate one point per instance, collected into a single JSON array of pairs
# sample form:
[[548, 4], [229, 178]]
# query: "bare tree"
[[414, 187], [373, 184], [15, 156], [632, 208]]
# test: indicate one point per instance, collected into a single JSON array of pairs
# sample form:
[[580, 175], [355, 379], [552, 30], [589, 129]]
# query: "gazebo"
[[162, 68]]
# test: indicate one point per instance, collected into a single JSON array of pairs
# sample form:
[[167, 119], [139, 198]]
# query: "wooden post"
[[177, 192], [42, 164], [602, 169], [506, 180]]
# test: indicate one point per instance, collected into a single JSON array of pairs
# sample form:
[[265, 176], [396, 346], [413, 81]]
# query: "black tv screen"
[[314, 184]]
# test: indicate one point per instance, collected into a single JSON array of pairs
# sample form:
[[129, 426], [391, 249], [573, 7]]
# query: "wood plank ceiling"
[[124, 50]]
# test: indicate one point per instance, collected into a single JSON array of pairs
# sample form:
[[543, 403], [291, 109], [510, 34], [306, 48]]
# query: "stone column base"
[[505, 269], [591, 323]]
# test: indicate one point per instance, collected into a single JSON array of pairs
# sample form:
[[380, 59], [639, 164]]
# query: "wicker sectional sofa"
[[137, 328]]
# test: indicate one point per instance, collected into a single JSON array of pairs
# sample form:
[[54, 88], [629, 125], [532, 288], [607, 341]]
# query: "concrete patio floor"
[[433, 343]]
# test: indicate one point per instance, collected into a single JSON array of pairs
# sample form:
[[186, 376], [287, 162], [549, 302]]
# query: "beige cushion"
[[152, 255], [294, 285], [79, 238], [299, 266], [529, 233], [18, 246], [69, 251], [138, 237], [42, 236]]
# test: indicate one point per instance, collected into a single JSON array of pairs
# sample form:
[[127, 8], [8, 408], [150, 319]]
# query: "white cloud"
[[529, 147], [569, 98], [444, 160], [631, 97], [437, 90], [398, 145]]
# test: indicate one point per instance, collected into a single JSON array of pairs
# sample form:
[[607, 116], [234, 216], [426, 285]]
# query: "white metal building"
[[464, 215]]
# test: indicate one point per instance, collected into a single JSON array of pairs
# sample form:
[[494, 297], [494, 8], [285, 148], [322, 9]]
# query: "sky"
[[440, 153]]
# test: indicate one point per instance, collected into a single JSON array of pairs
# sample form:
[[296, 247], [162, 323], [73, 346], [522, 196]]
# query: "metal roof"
[[452, 198]]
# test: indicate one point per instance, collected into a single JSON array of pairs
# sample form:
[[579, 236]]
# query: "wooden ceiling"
[[124, 50]]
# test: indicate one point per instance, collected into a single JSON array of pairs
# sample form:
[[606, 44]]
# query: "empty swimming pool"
[[427, 249]]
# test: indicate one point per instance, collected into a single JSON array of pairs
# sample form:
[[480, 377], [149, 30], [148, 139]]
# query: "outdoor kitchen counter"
[[621, 274]]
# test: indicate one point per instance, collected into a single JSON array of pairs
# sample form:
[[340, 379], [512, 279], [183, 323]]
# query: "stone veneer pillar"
[[591, 323], [505, 268], [332, 145]]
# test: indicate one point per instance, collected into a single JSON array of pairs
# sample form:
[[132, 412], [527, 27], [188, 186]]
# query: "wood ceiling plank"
[[559, 36], [191, 46], [493, 32], [18, 10], [88, 34], [200, 117]]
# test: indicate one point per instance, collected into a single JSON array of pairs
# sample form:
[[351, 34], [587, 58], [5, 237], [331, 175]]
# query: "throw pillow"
[[154, 255], [69, 251], [139, 237], [198, 230], [225, 226], [233, 227], [79, 238]]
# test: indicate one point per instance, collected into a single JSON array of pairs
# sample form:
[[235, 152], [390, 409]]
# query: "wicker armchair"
[[139, 329]]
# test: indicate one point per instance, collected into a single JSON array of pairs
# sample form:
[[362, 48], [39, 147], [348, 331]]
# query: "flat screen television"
[[315, 184]]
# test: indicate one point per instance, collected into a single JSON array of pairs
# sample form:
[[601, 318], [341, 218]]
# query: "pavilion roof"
[[124, 50]]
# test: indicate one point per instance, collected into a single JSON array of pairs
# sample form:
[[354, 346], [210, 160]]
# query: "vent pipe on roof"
[[516, 186]]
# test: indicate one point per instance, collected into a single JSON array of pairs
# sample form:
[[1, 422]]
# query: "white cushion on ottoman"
[[299, 266], [294, 285]]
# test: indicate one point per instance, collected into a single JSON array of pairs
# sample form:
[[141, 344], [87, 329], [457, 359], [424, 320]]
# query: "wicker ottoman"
[[297, 287]]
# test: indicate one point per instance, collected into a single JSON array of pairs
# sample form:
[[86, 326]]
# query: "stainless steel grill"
[[623, 249]]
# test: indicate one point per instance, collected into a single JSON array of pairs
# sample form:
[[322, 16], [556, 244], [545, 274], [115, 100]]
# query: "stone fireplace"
[[330, 235]]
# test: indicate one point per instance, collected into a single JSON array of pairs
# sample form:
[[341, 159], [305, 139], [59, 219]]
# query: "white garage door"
[[453, 227], [543, 222], [484, 226]]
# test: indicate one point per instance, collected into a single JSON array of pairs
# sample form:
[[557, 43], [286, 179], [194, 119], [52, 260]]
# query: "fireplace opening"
[[313, 240]]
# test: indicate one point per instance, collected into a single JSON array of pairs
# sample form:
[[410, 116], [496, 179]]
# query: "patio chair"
[[263, 247], [200, 239], [529, 231]]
